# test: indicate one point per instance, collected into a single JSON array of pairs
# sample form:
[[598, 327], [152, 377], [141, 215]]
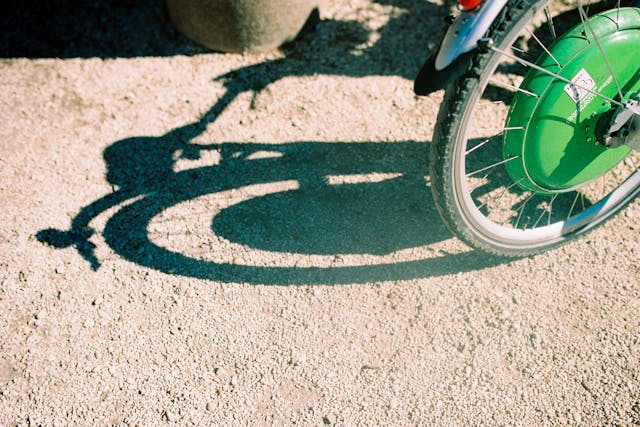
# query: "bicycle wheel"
[[524, 156]]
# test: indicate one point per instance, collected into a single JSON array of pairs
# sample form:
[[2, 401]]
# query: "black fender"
[[430, 79]]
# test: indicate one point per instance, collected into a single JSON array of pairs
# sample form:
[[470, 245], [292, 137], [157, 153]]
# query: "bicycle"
[[538, 137]]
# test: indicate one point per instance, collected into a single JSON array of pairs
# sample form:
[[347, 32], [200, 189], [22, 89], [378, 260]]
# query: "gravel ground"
[[250, 239]]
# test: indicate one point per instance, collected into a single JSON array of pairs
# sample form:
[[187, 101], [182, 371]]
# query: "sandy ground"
[[251, 240]]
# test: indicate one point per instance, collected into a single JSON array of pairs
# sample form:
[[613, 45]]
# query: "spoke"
[[595, 38], [511, 87], [522, 209], [492, 166], [550, 23], [522, 51], [573, 205], [502, 193], [482, 183], [497, 131], [544, 211], [485, 103], [483, 143], [551, 208], [486, 176], [556, 75], [584, 26], [535, 224], [501, 130], [544, 47]]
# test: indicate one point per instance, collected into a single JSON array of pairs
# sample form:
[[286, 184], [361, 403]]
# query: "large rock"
[[241, 25]]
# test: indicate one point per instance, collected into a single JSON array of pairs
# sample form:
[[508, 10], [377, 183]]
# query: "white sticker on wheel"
[[580, 86]]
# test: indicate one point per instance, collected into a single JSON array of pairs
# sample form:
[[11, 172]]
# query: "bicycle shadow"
[[317, 218], [394, 212]]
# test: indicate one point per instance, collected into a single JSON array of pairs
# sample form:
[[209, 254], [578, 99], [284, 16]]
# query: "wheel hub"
[[566, 135], [624, 128]]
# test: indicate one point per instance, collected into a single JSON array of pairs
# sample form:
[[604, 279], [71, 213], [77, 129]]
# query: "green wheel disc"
[[551, 142]]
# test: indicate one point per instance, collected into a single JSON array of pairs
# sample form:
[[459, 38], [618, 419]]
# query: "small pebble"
[[234, 380], [210, 406], [89, 323], [329, 419], [393, 403], [171, 417], [577, 418], [60, 270]]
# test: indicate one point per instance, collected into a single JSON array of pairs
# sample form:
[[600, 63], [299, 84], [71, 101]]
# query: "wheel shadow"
[[318, 217]]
